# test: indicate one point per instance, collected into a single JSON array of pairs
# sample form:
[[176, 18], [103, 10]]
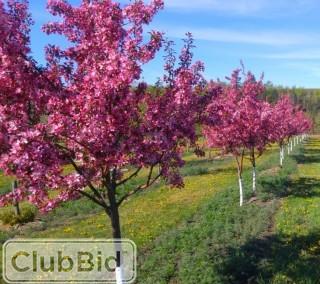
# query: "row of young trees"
[[86, 109], [309, 99], [242, 124]]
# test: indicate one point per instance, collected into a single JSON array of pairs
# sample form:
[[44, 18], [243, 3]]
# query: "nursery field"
[[110, 128], [199, 234]]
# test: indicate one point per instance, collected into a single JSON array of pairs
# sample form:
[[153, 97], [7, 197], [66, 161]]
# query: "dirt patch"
[[5, 228], [270, 230]]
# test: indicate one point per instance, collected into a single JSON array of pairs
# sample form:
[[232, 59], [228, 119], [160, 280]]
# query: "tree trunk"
[[240, 167], [115, 223], [254, 179], [240, 188], [16, 203], [254, 172], [116, 231], [281, 155], [291, 145], [17, 209]]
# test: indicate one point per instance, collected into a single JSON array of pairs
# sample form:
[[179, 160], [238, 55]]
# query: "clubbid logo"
[[68, 261]]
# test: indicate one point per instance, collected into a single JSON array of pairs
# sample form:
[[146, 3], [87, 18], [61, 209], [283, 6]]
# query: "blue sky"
[[278, 37]]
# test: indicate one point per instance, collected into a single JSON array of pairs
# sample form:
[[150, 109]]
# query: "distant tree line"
[[309, 99]]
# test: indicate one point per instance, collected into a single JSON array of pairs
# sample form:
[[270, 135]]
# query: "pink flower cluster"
[[238, 118], [86, 108]]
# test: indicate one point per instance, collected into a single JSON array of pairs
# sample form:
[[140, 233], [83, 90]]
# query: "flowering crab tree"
[[303, 123], [23, 88], [241, 122], [294, 128], [289, 122], [283, 115], [255, 120], [220, 127], [88, 110], [298, 124]]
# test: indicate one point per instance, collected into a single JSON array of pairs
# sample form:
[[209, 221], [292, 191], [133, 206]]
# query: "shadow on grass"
[[284, 187], [304, 187], [305, 158], [207, 162], [208, 171], [274, 258], [307, 155], [204, 167]]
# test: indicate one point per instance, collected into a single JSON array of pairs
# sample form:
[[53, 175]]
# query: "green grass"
[[147, 215], [5, 183], [298, 222], [289, 251], [150, 213], [197, 234], [276, 241], [206, 248]]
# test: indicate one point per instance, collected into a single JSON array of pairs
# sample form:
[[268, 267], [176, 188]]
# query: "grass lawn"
[[148, 214], [273, 240], [145, 216], [198, 234], [298, 223]]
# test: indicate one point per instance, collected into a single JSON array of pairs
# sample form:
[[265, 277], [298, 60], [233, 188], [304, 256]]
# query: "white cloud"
[[243, 6], [269, 37], [306, 70], [238, 6], [303, 54]]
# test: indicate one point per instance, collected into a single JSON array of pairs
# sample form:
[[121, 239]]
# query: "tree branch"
[[79, 171], [40, 72], [93, 189], [94, 199], [130, 177], [242, 157], [149, 182], [79, 143]]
